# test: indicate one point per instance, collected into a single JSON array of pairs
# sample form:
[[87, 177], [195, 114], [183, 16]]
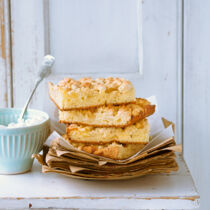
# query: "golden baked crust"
[[86, 92], [109, 115], [113, 150], [137, 133]]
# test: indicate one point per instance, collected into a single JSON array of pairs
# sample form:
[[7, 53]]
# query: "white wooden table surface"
[[37, 190]]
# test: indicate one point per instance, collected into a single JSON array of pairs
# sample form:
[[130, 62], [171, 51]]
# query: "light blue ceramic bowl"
[[18, 144]]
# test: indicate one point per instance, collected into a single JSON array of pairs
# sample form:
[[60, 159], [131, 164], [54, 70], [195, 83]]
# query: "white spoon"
[[44, 71]]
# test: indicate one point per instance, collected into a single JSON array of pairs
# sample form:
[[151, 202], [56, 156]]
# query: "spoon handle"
[[45, 70], [29, 99]]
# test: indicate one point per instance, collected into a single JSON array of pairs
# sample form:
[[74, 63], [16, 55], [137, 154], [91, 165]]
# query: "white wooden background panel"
[[197, 95], [160, 53], [27, 49], [94, 36]]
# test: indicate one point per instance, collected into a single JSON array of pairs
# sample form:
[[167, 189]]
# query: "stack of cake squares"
[[103, 116]]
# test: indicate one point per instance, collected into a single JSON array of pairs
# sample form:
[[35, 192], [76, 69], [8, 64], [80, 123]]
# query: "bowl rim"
[[25, 127]]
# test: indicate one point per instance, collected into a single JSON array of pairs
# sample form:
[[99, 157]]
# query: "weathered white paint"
[[27, 49], [175, 191], [5, 56], [197, 95]]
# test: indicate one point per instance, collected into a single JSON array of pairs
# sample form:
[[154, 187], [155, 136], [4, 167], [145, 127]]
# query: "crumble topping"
[[101, 84]]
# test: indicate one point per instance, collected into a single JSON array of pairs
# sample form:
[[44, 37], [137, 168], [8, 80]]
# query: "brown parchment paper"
[[158, 156]]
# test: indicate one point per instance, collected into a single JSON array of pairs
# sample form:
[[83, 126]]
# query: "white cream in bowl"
[[24, 123]]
